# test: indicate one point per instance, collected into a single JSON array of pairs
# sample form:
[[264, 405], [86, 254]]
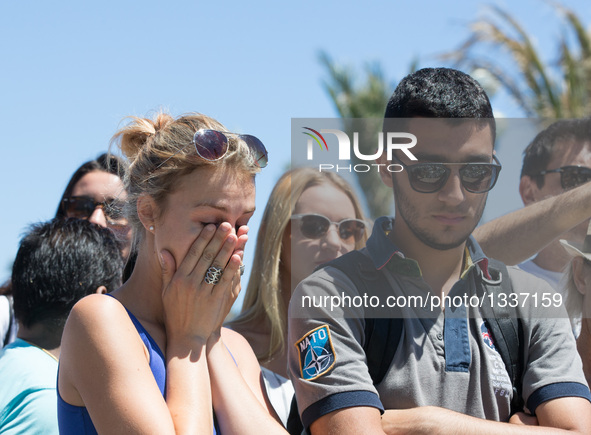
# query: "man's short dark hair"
[[540, 151], [58, 263], [440, 93]]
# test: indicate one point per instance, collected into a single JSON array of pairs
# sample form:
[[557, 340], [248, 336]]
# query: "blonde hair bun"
[[136, 134]]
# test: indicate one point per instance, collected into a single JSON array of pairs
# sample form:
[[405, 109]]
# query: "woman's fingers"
[[201, 292], [236, 281], [167, 264], [242, 235], [197, 249], [227, 289], [213, 262], [242, 231], [230, 273]]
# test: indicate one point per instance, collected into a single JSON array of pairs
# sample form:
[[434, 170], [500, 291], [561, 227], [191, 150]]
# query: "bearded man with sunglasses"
[[446, 374]]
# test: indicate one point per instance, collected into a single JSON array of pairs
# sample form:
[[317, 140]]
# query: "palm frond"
[[534, 85]]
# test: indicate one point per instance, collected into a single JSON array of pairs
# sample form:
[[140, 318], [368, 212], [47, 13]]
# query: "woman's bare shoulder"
[[98, 340], [97, 305], [234, 338], [241, 350], [97, 321], [95, 315]]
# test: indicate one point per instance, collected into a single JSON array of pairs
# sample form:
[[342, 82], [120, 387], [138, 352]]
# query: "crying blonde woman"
[[152, 356]]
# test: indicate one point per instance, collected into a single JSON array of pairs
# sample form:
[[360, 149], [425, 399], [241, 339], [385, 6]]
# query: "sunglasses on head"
[[82, 207], [570, 176], [315, 226], [212, 145], [431, 177]]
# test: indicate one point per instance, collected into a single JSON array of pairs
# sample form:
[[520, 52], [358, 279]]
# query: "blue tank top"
[[75, 420]]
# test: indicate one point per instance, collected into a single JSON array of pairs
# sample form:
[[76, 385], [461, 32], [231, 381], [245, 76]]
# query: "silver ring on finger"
[[213, 275], [242, 267]]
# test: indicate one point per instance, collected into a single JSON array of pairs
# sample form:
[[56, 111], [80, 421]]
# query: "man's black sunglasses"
[[570, 176], [431, 177]]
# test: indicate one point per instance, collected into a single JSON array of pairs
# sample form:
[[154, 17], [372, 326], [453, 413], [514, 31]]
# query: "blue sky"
[[72, 70]]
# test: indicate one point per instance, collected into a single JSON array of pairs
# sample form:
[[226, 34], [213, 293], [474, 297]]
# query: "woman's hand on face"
[[240, 244], [241, 233], [194, 309]]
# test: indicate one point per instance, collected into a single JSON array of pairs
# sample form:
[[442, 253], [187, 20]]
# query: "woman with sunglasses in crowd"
[[311, 218], [95, 192], [151, 357]]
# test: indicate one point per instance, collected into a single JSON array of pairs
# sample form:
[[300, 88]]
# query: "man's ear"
[[385, 175], [527, 189], [101, 290], [580, 278], [146, 210]]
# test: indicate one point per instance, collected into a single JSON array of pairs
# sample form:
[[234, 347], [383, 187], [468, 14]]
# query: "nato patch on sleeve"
[[316, 352]]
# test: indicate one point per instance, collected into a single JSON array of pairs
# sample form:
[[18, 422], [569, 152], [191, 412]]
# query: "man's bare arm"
[[359, 420], [565, 415], [518, 235]]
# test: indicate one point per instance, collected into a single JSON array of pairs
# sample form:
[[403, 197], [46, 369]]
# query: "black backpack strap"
[[506, 328], [382, 335], [294, 424]]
